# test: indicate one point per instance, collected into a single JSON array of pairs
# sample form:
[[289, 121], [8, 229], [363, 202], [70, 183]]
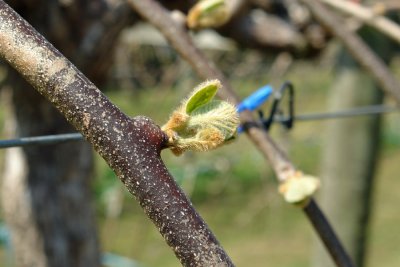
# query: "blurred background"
[[63, 206]]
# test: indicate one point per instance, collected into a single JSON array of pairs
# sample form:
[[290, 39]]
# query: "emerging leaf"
[[202, 94], [299, 188], [201, 123], [216, 114], [207, 13]]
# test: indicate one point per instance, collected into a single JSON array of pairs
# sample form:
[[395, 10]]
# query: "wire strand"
[[69, 137], [355, 112], [41, 140]]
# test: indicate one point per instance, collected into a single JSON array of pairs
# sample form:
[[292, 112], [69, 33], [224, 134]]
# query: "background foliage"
[[232, 187]]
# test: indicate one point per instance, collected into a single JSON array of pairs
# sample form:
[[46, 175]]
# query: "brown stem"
[[357, 48], [180, 40], [327, 235], [368, 16], [130, 146]]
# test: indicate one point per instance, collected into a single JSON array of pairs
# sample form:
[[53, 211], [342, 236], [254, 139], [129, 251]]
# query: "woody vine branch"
[[131, 147], [283, 167]]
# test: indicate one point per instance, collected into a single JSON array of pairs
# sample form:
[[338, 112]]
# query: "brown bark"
[[48, 202], [52, 190], [358, 49], [283, 167], [130, 146]]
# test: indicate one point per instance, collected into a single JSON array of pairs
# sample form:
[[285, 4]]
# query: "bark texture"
[[131, 147], [47, 201]]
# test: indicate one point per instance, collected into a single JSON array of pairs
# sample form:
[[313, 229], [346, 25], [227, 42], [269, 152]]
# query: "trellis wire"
[[68, 137], [41, 140], [361, 111]]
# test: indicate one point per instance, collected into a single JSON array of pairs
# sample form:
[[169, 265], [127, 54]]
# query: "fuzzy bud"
[[298, 188], [201, 123], [207, 13]]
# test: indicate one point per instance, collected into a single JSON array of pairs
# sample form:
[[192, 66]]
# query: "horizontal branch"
[[131, 147]]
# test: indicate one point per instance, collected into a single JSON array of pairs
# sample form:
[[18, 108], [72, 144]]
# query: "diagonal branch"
[[368, 16], [130, 146], [357, 48], [180, 40]]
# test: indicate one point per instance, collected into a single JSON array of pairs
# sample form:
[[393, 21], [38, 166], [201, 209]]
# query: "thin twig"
[[357, 48], [183, 44], [131, 147], [328, 237], [368, 16], [387, 6], [180, 40]]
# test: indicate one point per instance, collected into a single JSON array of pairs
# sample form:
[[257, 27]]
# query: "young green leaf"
[[211, 5], [202, 94], [208, 13], [201, 123]]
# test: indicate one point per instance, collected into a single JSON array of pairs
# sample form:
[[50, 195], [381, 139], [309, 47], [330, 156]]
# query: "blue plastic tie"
[[253, 101], [256, 99]]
